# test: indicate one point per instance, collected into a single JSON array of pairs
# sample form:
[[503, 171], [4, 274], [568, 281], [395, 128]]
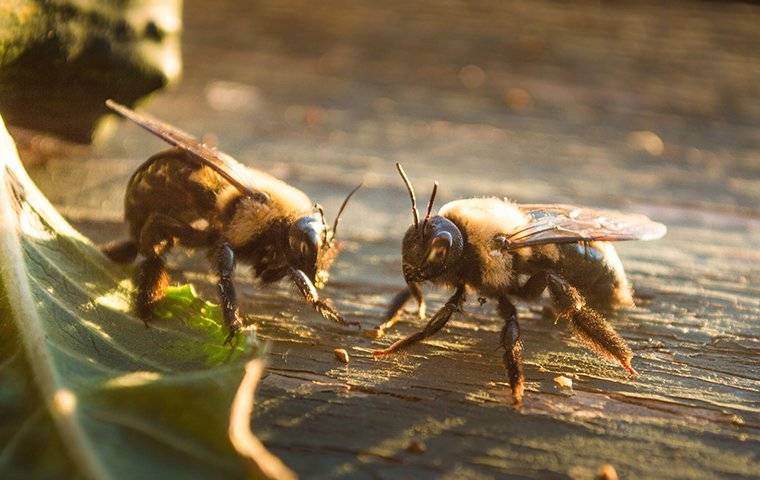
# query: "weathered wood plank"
[[326, 96]]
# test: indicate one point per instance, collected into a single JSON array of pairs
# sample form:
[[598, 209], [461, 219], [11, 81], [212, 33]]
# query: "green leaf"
[[86, 389]]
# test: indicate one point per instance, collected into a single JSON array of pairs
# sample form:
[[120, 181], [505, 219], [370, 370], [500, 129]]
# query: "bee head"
[[311, 243], [430, 249], [432, 246], [306, 241]]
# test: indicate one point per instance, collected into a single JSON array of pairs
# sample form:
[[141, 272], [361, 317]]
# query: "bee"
[[502, 250], [197, 197]]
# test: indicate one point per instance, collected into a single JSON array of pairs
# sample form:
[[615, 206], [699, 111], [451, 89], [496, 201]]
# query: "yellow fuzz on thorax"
[[251, 219], [253, 216], [482, 219]]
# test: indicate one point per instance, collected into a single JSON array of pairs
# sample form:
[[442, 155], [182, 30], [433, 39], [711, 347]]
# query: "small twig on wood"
[[262, 463]]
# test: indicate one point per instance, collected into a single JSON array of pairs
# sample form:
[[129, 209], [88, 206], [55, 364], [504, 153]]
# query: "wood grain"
[[649, 108]]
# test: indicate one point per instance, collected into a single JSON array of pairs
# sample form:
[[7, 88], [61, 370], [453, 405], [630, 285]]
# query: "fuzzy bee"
[[195, 196], [500, 250]]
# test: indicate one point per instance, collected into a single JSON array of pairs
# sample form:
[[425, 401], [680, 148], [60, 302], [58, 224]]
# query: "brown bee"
[[195, 196], [489, 245]]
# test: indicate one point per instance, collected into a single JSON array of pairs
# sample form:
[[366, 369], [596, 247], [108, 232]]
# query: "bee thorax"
[[249, 220]]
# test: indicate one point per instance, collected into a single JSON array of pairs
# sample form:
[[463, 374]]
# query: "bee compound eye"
[[439, 248]]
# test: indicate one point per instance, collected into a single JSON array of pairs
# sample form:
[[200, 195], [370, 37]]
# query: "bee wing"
[[232, 170], [556, 223]]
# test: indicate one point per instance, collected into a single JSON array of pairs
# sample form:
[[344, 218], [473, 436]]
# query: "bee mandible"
[[198, 197], [489, 245]]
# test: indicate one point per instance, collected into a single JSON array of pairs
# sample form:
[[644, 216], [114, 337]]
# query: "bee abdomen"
[[171, 185], [596, 271]]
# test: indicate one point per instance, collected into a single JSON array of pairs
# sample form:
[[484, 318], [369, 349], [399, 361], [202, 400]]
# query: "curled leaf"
[[261, 462], [88, 391]]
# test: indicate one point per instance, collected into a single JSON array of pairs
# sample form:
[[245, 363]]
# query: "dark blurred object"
[[59, 60]]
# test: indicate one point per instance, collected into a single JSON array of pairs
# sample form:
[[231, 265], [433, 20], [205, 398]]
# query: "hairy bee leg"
[[225, 264], [393, 314], [156, 238], [512, 343], [533, 287], [436, 323], [152, 280], [589, 326], [122, 251], [310, 294]]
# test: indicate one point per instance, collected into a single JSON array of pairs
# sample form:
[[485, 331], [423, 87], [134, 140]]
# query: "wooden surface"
[[640, 107]]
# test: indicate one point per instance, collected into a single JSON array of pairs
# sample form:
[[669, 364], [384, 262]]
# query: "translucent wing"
[[555, 223], [235, 172]]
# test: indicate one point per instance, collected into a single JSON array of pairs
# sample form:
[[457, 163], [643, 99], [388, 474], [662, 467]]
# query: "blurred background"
[[602, 103], [652, 107]]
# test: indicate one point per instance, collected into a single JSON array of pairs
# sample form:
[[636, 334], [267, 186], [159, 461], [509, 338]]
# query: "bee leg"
[[533, 287], [123, 251], [310, 294], [225, 265], [393, 314], [152, 280], [441, 317], [157, 236], [588, 325], [512, 343], [152, 275]]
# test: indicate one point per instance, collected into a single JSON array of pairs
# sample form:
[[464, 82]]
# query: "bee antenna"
[[430, 204], [321, 211], [343, 206], [409, 187]]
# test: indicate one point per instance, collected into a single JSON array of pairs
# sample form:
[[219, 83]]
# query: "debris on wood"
[[737, 420], [563, 382], [374, 333], [416, 446], [342, 355], [607, 472]]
